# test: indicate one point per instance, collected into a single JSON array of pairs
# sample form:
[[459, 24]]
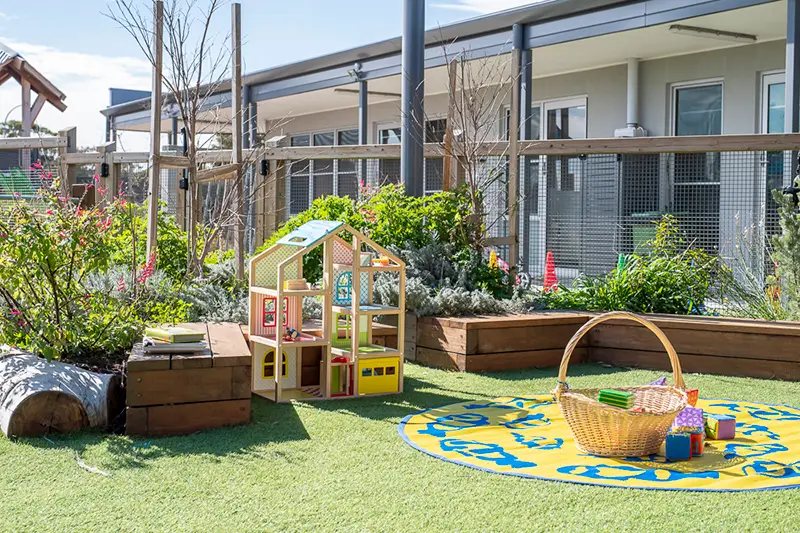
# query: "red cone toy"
[[550, 278]]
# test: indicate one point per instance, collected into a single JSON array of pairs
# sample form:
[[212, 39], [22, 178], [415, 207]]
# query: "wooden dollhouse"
[[339, 360]]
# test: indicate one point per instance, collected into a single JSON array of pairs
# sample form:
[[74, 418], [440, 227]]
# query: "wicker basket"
[[608, 431]]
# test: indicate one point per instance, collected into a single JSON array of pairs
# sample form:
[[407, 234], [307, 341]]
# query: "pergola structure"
[[13, 65]]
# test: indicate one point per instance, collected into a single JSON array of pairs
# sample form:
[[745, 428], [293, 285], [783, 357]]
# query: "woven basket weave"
[[609, 431]]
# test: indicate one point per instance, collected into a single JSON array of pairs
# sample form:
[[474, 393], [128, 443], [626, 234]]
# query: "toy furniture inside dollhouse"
[[339, 360]]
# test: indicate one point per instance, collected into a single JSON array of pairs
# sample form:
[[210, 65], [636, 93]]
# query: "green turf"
[[341, 466]]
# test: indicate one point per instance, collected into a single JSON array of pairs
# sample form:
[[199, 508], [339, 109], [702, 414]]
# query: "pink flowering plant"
[[51, 251]]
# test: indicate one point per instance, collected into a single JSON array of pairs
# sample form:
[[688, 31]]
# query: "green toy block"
[[617, 398]]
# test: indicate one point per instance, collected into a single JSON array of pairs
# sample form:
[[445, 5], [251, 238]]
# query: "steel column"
[[792, 116], [526, 132], [412, 134], [363, 125]]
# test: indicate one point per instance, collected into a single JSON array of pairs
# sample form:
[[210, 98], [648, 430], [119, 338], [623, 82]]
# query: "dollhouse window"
[[366, 372], [379, 371], [390, 370], [269, 312], [269, 365], [343, 289]]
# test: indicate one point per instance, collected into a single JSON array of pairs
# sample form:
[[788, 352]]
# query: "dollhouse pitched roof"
[[310, 233]]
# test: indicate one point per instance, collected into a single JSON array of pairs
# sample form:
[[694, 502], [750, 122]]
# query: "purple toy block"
[[661, 382], [690, 418], [721, 427], [679, 447]]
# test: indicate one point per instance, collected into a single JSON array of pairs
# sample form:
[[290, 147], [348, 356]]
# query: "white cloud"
[[484, 6], [84, 79]]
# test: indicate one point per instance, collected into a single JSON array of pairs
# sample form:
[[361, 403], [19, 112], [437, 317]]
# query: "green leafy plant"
[[49, 249], [673, 279], [129, 232], [390, 218], [786, 255]]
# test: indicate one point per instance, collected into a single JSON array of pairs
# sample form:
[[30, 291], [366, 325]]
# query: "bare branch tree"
[[478, 113]]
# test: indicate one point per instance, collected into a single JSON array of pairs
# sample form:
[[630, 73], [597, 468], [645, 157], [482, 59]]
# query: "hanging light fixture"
[[709, 33]]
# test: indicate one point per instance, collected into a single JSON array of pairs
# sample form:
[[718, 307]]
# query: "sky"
[[84, 53]]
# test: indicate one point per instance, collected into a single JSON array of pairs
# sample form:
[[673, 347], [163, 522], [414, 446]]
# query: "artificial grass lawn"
[[341, 466]]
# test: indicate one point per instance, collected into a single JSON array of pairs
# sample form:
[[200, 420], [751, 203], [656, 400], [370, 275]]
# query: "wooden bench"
[[180, 394]]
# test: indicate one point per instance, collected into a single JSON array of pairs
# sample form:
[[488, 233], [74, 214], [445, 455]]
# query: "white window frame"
[[768, 78], [311, 174], [673, 108]]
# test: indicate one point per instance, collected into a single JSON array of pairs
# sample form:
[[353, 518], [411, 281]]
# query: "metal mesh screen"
[[588, 209], [309, 180]]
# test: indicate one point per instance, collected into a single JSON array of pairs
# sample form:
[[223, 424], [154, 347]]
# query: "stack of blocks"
[[617, 398], [686, 437]]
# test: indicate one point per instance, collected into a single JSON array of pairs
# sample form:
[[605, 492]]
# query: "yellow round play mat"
[[528, 437]]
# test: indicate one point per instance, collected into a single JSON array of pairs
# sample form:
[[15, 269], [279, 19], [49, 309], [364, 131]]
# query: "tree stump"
[[38, 397]]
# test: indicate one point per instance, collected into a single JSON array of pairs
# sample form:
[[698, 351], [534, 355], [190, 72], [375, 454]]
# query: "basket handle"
[[677, 375]]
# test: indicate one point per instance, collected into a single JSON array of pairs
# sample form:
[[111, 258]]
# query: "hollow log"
[[37, 397]]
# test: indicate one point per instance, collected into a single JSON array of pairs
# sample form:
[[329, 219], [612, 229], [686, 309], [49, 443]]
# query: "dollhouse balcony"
[[274, 292], [304, 339], [368, 309], [364, 352]]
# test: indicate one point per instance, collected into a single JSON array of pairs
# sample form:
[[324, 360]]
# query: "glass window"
[[300, 140], [390, 370], [567, 123], [536, 123], [366, 372], [776, 107], [389, 136], [696, 176], [268, 370], [378, 371], [698, 110]]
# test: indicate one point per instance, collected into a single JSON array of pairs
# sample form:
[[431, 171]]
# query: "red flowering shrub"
[[50, 248]]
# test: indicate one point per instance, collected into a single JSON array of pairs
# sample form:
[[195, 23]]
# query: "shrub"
[[131, 220], [391, 219], [787, 254], [49, 250], [673, 279]]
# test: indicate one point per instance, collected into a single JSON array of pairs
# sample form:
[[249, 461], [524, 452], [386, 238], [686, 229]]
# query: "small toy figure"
[[690, 419], [720, 427], [698, 441], [617, 398], [693, 395], [290, 335], [679, 446]]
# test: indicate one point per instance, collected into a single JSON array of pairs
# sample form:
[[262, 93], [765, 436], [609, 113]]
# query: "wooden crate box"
[[179, 394]]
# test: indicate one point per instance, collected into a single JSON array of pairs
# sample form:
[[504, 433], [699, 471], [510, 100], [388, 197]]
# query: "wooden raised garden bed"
[[737, 347], [177, 394]]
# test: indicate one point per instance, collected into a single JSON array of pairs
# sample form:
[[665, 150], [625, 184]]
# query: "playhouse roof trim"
[[316, 232]]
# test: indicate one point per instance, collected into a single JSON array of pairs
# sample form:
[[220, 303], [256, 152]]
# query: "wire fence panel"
[[599, 206]]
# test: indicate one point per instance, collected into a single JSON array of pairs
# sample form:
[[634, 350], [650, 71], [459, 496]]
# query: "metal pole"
[[526, 132], [413, 95], [792, 116], [154, 184], [513, 148], [363, 125]]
